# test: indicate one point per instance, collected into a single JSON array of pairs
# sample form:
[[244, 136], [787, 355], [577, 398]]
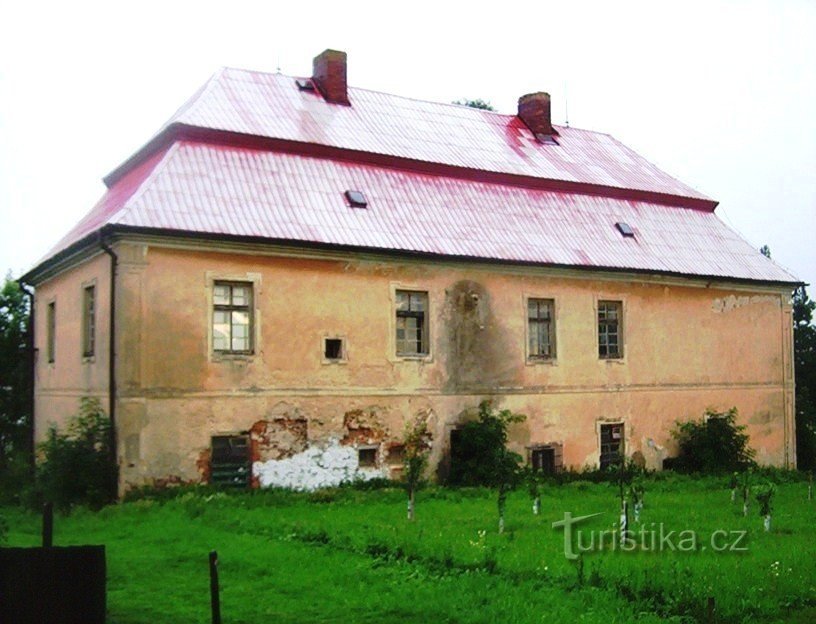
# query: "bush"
[[713, 445], [77, 466], [480, 456]]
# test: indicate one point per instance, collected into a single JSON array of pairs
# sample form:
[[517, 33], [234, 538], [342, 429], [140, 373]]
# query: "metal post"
[[215, 601], [48, 525]]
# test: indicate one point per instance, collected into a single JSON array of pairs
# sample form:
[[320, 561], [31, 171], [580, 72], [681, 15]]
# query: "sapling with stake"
[[810, 486], [636, 491], [534, 479], [764, 496], [416, 446], [733, 484], [745, 483]]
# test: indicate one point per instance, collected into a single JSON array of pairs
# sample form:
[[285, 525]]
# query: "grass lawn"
[[348, 555]]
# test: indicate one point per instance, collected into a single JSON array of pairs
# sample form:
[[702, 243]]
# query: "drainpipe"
[[111, 347], [32, 360]]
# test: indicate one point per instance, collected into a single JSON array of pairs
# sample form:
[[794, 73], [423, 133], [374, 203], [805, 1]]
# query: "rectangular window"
[[540, 329], [51, 330], [88, 321], [610, 330], [232, 317], [611, 445], [547, 458], [412, 323], [230, 461]]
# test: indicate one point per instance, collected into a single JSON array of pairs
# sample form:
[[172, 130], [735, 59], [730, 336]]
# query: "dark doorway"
[[229, 462], [611, 445]]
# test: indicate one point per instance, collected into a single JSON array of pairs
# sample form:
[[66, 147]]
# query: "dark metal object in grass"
[[215, 600], [48, 525]]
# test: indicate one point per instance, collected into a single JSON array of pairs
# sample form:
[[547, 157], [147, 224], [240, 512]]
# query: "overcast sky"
[[721, 94]]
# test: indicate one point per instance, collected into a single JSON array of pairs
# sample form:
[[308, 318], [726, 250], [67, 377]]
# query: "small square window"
[[356, 199], [333, 349], [367, 457]]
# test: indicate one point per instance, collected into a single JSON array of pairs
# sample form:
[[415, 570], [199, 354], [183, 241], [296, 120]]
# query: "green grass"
[[350, 556]]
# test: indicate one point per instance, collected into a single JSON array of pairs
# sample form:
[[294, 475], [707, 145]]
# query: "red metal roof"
[[212, 189], [272, 106]]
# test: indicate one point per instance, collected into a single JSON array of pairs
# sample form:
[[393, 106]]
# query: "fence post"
[[711, 610], [48, 525], [215, 601]]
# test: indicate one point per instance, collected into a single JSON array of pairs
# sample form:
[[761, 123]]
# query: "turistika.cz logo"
[[653, 537]]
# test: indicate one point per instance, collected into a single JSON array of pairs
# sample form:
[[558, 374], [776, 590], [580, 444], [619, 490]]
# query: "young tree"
[[764, 496], [416, 445]]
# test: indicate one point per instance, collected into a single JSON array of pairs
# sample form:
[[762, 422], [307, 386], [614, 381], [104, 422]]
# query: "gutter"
[[32, 361], [111, 346]]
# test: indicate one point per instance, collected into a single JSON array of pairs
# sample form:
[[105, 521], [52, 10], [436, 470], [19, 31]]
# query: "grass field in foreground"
[[350, 556]]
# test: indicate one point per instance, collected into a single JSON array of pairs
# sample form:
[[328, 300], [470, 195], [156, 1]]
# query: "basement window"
[[229, 461], [367, 457], [356, 199], [304, 84], [546, 458], [333, 349], [625, 229]]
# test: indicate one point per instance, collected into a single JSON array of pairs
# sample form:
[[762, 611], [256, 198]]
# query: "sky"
[[721, 94]]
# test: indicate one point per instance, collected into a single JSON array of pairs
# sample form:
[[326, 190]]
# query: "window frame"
[[621, 452], [88, 333], [535, 358], [619, 323], [249, 308], [51, 331], [424, 329]]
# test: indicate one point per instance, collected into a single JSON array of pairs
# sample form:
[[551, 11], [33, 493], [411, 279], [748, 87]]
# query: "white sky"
[[721, 94]]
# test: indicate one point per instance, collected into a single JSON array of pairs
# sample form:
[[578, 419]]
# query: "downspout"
[[111, 348], [32, 362]]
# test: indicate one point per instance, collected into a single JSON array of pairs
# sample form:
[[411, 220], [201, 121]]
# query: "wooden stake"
[[48, 525], [215, 599]]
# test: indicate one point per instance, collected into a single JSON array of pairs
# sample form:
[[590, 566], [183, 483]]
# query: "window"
[[88, 321], [611, 445], [610, 332], [412, 323], [625, 229], [333, 349], [51, 321], [356, 199], [540, 329], [367, 457], [232, 317], [546, 458]]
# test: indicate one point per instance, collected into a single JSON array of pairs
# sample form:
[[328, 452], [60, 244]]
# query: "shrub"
[[714, 444], [77, 466], [480, 456]]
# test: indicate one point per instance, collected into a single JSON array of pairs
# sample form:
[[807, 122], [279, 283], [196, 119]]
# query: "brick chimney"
[[329, 74], [534, 111]]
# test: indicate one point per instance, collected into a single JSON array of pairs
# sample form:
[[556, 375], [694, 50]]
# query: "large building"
[[291, 270]]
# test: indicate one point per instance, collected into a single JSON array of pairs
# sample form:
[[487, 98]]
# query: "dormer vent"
[[304, 84]]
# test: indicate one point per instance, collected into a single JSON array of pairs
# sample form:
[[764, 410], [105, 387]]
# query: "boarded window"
[[51, 331], [232, 317], [610, 329], [229, 461], [540, 329], [88, 321], [547, 458], [611, 445], [412, 322]]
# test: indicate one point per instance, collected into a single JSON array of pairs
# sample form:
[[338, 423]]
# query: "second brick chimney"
[[534, 111], [329, 74]]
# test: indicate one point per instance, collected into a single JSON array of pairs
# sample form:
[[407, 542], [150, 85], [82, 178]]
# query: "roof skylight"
[[356, 199], [304, 84], [625, 229]]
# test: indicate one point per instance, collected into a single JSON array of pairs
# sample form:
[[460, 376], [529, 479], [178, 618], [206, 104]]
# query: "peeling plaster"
[[733, 302], [314, 468]]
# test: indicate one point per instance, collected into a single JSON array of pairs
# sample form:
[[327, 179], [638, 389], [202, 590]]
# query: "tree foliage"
[[481, 456], [15, 416], [712, 445], [804, 348], [77, 467], [476, 103]]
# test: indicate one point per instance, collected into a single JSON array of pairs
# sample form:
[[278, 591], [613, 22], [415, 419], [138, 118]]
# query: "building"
[[291, 269]]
